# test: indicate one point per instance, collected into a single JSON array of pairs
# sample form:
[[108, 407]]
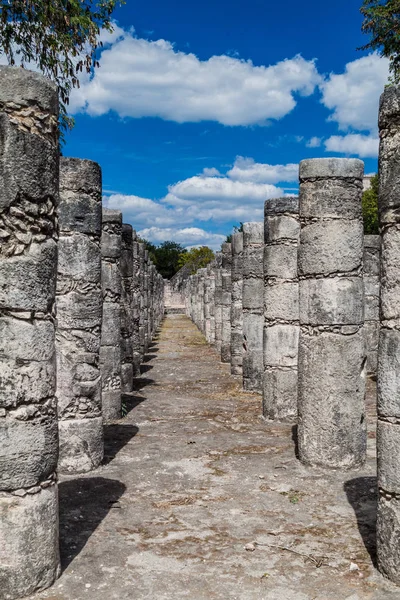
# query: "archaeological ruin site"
[[228, 434]]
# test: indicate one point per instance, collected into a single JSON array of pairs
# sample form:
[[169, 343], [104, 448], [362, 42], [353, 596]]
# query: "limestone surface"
[[332, 369]]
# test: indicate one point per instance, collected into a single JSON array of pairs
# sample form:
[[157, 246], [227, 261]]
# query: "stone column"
[[79, 317], [29, 179], [388, 434], [371, 292], [218, 301], [126, 309], [142, 312], [136, 306], [281, 308], [253, 301], [237, 305], [208, 300], [110, 351], [226, 301], [332, 424], [146, 301]]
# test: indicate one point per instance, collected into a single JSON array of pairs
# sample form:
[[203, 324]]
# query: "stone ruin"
[[315, 309], [302, 306], [80, 302]]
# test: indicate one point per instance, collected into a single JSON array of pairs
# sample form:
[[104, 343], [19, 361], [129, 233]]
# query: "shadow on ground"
[[116, 436], [84, 503], [361, 493]]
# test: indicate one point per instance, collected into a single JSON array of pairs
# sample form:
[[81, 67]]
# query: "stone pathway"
[[192, 477]]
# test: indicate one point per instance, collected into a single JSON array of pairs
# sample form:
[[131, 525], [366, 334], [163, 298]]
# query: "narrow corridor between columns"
[[199, 497]]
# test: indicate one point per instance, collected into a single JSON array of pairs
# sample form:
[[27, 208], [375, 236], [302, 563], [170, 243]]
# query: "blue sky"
[[201, 111]]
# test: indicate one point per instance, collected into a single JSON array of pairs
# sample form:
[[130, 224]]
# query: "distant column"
[[29, 162], [281, 308], [226, 301], [218, 302], [136, 306], [79, 317], [110, 350], [237, 305], [332, 424], [253, 303], [126, 309], [142, 310], [388, 434], [371, 292]]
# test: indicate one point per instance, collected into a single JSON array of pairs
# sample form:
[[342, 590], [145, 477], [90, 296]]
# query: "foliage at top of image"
[[370, 208], [382, 23], [59, 36]]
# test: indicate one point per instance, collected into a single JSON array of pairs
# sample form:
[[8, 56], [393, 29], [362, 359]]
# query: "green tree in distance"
[[236, 229], [370, 208], [59, 36], [382, 24], [196, 258]]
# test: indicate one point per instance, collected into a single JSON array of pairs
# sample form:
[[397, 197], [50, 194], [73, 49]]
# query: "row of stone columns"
[[305, 317], [72, 279]]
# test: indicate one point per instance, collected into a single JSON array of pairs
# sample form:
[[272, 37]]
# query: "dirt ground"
[[200, 498]]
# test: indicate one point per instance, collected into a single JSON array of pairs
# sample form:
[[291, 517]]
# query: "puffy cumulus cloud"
[[141, 211], [365, 146], [188, 236], [220, 199], [314, 142], [354, 95], [212, 172], [140, 78], [247, 170]]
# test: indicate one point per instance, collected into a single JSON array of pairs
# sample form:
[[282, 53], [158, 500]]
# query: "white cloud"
[[246, 169], [354, 95], [140, 78], [195, 200], [365, 146], [188, 236], [314, 142], [212, 172]]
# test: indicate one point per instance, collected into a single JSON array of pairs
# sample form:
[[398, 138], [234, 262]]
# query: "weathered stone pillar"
[[237, 305], [110, 350], [209, 288], [79, 317], [388, 434], [29, 179], [146, 300], [142, 312], [226, 301], [332, 424], [281, 308], [371, 293], [218, 301], [136, 306], [253, 302], [126, 309]]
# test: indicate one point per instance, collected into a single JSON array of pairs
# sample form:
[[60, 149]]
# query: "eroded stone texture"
[[29, 181], [226, 301], [371, 300], [218, 301], [136, 353], [332, 424], [281, 308], [79, 316], [388, 433], [253, 294], [209, 292], [237, 304], [127, 309], [110, 350], [142, 300]]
